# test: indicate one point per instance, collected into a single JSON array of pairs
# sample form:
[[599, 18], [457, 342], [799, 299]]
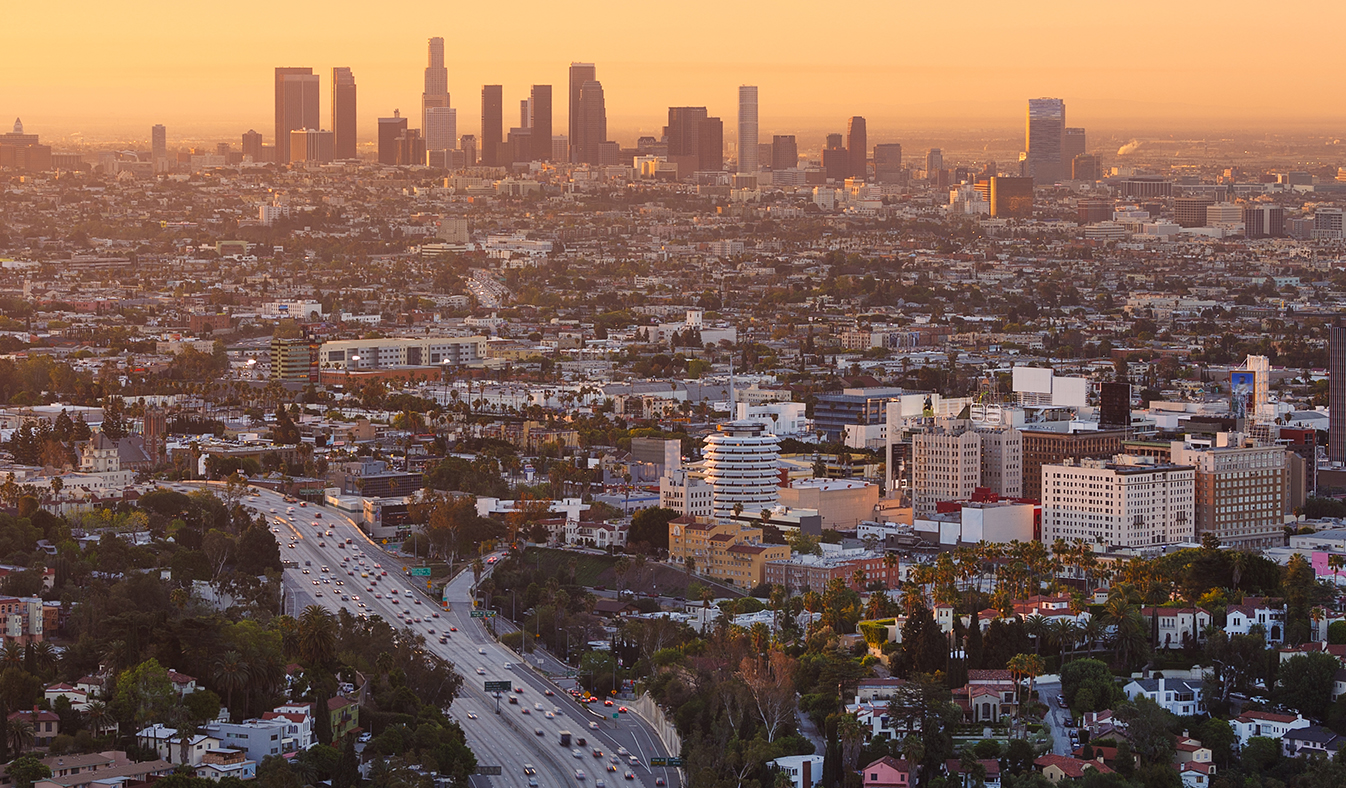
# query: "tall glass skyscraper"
[[343, 113], [436, 94], [580, 74], [1046, 127], [747, 128]]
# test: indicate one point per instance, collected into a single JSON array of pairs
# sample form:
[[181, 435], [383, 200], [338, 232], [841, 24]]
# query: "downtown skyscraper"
[[857, 148], [343, 113], [539, 122], [1045, 129], [747, 128], [492, 125], [436, 94], [296, 106], [580, 73]]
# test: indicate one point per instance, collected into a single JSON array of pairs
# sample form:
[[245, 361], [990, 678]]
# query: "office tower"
[[1113, 503], [934, 163], [492, 125], [1044, 446], [1191, 211], [888, 162], [784, 152], [1045, 128], [710, 145], [1240, 491], [409, 147], [436, 92], [1072, 145], [1114, 401], [343, 112], [312, 146], [1086, 167], [835, 160], [592, 124], [683, 134], [1012, 198], [518, 145], [441, 128], [389, 130], [468, 144], [560, 147], [1263, 221], [252, 145], [741, 459], [158, 141], [763, 154], [1336, 393], [525, 113], [747, 128], [580, 75], [857, 148], [946, 466], [539, 102], [296, 106]]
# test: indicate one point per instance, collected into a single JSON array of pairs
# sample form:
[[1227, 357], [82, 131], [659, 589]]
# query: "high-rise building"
[[683, 134], [741, 459], [296, 106], [1191, 211], [539, 104], [1072, 145], [593, 124], [1113, 502], [835, 160], [492, 125], [784, 152], [1046, 127], [888, 162], [252, 145], [390, 129], [441, 128], [312, 145], [747, 128], [1012, 197], [158, 141], [946, 466], [710, 145], [580, 74], [1336, 393], [468, 145], [1263, 221], [934, 166], [1240, 490], [1086, 167], [409, 147], [436, 91], [857, 148], [1045, 447], [343, 112]]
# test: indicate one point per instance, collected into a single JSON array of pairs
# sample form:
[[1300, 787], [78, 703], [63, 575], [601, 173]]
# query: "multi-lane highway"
[[337, 566]]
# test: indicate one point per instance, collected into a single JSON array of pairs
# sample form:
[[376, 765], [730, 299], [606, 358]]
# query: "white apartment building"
[[1240, 489], [946, 466], [1125, 502], [1002, 459], [401, 352], [685, 494]]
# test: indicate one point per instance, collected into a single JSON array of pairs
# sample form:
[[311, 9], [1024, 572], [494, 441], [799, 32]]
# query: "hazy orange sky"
[[205, 69]]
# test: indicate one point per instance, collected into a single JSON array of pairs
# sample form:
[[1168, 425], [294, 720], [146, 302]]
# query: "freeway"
[[338, 566]]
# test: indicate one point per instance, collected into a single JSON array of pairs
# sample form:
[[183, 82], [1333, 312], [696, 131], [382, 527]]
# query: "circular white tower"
[[742, 467]]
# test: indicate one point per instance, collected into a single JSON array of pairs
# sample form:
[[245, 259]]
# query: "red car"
[[607, 703], [621, 709]]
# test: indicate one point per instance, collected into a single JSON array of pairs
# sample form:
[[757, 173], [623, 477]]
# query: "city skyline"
[[204, 86]]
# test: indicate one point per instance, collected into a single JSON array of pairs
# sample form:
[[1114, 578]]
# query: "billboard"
[[1242, 385]]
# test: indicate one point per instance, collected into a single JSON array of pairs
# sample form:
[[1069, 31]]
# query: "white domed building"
[[742, 467]]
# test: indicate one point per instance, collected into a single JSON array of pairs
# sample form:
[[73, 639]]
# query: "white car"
[[481, 671]]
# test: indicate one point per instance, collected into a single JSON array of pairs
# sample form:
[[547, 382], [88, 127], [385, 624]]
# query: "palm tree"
[[316, 636], [1335, 562], [99, 717], [19, 732], [1037, 628], [1030, 665], [231, 673], [1129, 637]]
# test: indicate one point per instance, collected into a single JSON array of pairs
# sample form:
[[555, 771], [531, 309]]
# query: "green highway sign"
[[497, 686], [675, 762], [420, 571], [614, 716], [492, 770], [483, 614]]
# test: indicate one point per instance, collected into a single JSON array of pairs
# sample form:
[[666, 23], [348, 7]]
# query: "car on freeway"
[[480, 650], [593, 725], [607, 703], [537, 731], [548, 693], [525, 710], [579, 774], [621, 709], [612, 767], [471, 715], [630, 775], [659, 781], [529, 769], [551, 716], [576, 753]]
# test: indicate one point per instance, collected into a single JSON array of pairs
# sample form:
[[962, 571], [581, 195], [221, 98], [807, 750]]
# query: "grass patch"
[[554, 563]]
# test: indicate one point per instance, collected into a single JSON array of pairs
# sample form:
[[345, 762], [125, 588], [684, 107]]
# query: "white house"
[[1179, 625], [805, 771], [1241, 618], [168, 744], [1265, 723], [1180, 696]]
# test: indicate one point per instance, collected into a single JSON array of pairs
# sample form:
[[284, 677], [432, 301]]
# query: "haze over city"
[[1143, 68]]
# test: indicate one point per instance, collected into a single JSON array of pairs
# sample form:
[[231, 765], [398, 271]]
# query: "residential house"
[[1196, 774], [345, 717], [184, 684], [805, 771], [45, 724], [889, 772], [1335, 649], [1180, 696], [1058, 767], [987, 696], [112, 767], [991, 767], [298, 719], [1189, 750], [1265, 723], [1311, 740], [168, 744], [1178, 626], [78, 698], [1257, 611], [256, 738], [227, 763], [877, 689]]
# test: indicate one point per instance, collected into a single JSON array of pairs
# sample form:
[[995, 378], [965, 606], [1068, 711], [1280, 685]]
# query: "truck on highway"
[[565, 738]]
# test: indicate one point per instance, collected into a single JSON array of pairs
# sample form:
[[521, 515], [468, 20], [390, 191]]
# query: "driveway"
[[1056, 718]]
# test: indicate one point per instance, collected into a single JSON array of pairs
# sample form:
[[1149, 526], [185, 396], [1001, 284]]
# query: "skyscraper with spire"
[[436, 94]]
